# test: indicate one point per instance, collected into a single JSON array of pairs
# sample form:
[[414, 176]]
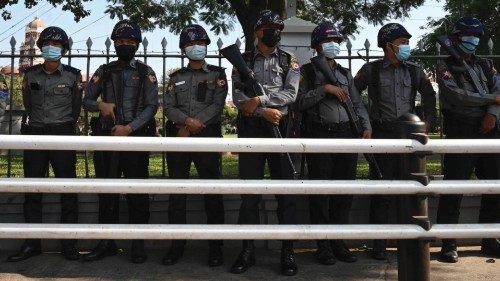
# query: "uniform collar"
[[60, 69], [386, 63], [257, 52], [204, 67]]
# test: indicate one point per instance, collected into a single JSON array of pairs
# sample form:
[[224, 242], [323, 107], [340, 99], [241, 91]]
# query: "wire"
[[8, 36], [23, 19], [88, 25]]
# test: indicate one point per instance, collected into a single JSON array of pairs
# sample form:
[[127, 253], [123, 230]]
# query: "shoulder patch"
[[443, 72], [32, 68], [294, 64], [71, 69]]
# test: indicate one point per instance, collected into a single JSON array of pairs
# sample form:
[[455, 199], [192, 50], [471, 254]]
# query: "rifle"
[[116, 81], [448, 45], [322, 65], [233, 55]]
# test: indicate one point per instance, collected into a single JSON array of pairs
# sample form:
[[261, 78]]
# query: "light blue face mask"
[[330, 49], [196, 52], [51, 53], [404, 53], [469, 44]]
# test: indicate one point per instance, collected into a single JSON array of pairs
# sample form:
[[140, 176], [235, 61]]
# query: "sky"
[[98, 27]]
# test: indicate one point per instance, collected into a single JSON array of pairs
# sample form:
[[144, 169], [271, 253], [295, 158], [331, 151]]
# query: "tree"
[[221, 15], [486, 11]]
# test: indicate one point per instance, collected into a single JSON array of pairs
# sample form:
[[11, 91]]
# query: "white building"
[[33, 30]]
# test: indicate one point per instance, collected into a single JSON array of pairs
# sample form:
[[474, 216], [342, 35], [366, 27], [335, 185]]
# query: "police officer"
[[469, 114], [324, 116], [129, 101], [193, 105], [392, 84], [279, 74], [4, 95], [52, 99]]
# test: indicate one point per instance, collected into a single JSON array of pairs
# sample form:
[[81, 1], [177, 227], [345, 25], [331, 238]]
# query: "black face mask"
[[271, 37], [126, 52]]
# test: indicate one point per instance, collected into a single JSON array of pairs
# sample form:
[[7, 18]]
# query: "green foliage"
[[229, 120], [17, 95]]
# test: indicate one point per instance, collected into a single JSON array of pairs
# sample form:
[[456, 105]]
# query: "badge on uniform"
[[221, 82], [444, 73], [295, 67], [180, 83], [152, 78]]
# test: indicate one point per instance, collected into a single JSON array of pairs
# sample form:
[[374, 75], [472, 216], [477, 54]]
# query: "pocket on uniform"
[[181, 93], [406, 95], [277, 75]]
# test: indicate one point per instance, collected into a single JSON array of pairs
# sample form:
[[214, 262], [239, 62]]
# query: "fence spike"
[[70, 43], [219, 43], [145, 43], [438, 48], [490, 46], [107, 43], [12, 42], [32, 42], [348, 44], [367, 44], [164, 43], [238, 42], [89, 43]]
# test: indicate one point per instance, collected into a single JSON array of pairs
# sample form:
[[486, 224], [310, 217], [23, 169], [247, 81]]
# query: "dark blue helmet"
[[390, 32], [469, 25], [323, 31], [268, 17], [53, 33], [126, 29], [193, 32]]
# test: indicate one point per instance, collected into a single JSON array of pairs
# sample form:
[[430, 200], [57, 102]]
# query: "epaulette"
[[178, 71], [71, 69], [374, 61], [32, 68], [216, 68]]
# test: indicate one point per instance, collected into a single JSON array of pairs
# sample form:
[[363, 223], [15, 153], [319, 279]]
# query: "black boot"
[[215, 256], [137, 253], [449, 251], [246, 258], [378, 251], [324, 253], [175, 252], [491, 247], [288, 264], [69, 251], [105, 248], [30, 248], [342, 252]]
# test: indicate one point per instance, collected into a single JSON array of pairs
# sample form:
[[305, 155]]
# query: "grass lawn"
[[229, 166]]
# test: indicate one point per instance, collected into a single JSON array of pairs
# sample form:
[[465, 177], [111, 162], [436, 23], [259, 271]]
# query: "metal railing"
[[93, 58]]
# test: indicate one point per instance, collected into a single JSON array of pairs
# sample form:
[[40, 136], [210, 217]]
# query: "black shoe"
[[378, 252], [491, 247], [173, 255], [28, 250], [449, 252], [324, 253], [105, 248], [70, 252], [288, 264], [137, 253], [245, 260], [342, 252], [215, 256]]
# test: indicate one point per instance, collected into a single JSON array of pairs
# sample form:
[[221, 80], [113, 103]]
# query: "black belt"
[[333, 127], [461, 118], [52, 126]]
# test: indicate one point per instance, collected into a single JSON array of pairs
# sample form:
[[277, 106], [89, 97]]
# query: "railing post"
[[413, 255]]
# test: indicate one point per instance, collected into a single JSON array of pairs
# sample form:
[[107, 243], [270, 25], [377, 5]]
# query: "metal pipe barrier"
[[244, 232], [154, 144], [196, 186]]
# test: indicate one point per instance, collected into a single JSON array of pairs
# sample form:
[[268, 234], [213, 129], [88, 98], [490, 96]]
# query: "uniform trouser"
[[36, 165], [208, 166], [331, 209], [390, 167], [133, 165], [251, 166], [460, 167]]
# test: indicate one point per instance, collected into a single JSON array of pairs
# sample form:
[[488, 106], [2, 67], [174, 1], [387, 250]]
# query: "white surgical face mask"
[[196, 52], [330, 49]]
